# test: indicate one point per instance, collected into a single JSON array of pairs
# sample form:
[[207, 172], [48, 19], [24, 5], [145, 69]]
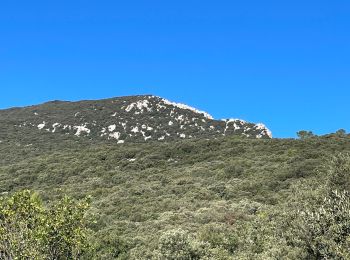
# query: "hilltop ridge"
[[126, 119]]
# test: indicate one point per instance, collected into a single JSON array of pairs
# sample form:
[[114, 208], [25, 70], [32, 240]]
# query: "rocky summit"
[[124, 119]]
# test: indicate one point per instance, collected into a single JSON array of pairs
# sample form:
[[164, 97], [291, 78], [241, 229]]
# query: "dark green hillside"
[[146, 196]]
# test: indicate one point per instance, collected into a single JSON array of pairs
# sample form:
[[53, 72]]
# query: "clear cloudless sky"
[[283, 63]]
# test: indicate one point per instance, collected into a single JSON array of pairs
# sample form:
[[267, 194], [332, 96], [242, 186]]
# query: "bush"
[[175, 245], [28, 230], [178, 245], [324, 230]]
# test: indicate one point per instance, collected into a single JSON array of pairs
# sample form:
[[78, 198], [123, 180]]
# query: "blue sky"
[[283, 63]]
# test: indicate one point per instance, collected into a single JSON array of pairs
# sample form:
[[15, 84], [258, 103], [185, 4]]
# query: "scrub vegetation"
[[220, 198]]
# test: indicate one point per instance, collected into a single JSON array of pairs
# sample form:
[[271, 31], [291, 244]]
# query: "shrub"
[[325, 229], [178, 245], [28, 230]]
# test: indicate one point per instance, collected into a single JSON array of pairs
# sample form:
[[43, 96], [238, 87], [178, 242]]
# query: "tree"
[[341, 133], [67, 235], [28, 230], [305, 134], [22, 226]]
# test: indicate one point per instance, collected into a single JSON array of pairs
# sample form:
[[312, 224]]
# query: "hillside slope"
[[214, 196], [140, 191], [123, 119]]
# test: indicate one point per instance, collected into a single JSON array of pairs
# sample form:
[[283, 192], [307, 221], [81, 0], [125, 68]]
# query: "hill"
[[211, 196], [123, 119]]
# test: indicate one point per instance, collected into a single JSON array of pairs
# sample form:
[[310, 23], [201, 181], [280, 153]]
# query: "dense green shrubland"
[[226, 198]]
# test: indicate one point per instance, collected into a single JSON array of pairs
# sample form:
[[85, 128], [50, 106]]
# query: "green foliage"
[[313, 224], [67, 235], [236, 198], [179, 245], [22, 226], [175, 245], [28, 230], [339, 173], [110, 246], [305, 134], [325, 228]]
